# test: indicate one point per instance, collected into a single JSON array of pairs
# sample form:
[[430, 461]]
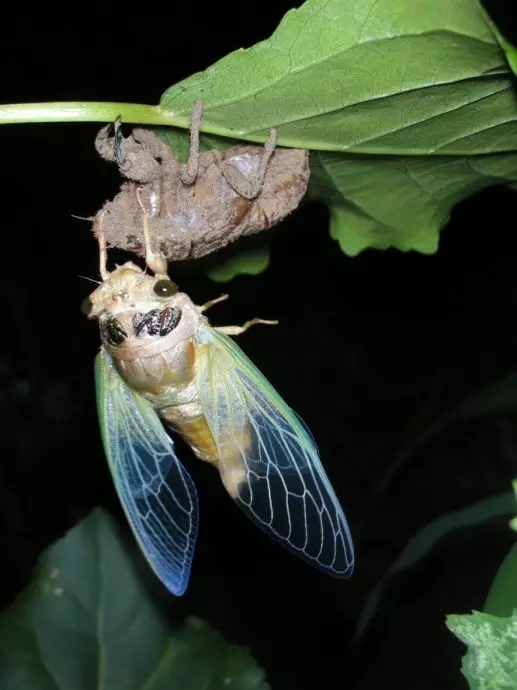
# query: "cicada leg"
[[188, 172], [237, 330], [118, 141], [211, 302], [233, 330], [103, 247], [249, 185], [155, 260]]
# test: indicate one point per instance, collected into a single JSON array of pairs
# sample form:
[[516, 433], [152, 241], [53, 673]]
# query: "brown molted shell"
[[188, 222]]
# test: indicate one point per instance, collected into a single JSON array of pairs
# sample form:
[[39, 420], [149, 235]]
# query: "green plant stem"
[[130, 113], [94, 111], [81, 111]]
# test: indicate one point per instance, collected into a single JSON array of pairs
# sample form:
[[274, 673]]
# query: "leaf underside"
[[87, 621], [407, 105]]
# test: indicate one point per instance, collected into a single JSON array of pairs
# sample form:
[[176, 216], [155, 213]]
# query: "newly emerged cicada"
[[161, 360]]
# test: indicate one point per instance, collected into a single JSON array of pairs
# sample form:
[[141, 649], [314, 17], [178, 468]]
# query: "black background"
[[365, 348]]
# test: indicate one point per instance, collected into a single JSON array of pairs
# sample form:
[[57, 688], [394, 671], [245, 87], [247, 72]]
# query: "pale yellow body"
[[163, 369]]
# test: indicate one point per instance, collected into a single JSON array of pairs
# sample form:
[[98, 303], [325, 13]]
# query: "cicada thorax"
[[153, 348], [156, 373], [168, 380]]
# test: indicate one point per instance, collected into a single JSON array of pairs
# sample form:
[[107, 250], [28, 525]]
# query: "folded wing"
[[156, 492], [268, 461]]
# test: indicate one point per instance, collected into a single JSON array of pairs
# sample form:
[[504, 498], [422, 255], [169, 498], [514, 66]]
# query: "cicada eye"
[[86, 306], [165, 288]]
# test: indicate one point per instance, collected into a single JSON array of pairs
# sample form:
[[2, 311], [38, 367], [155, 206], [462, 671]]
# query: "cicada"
[[162, 362]]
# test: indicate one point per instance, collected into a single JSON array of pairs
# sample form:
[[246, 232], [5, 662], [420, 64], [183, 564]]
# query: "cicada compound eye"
[[86, 306], [165, 288]]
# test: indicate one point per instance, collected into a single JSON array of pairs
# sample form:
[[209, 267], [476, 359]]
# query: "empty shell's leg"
[[237, 330], [118, 141], [249, 185], [155, 260], [103, 248], [211, 302], [188, 172]]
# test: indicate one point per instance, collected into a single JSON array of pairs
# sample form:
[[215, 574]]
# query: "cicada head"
[[140, 314], [135, 309]]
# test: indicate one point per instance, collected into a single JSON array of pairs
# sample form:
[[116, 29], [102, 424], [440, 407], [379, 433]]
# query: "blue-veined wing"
[[268, 460], [156, 492]]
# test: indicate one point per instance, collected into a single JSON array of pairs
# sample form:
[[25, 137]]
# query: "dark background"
[[365, 349]]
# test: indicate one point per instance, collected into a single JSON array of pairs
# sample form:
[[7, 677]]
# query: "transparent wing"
[[156, 492], [269, 462]]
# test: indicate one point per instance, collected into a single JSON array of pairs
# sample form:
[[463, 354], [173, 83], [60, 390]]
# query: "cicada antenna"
[[88, 218], [103, 247], [155, 260]]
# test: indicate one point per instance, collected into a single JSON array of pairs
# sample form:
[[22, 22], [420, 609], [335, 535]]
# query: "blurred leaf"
[[513, 521], [407, 105], [502, 598], [496, 398], [86, 622], [491, 660], [250, 262], [426, 539]]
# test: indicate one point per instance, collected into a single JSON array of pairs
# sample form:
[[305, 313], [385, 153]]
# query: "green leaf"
[[513, 521], [87, 622], [426, 539], [333, 67], [400, 202], [491, 660], [502, 598], [509, 50], [511, 54], [179, 142], [408, 105], [249, 262], [496, 398]]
